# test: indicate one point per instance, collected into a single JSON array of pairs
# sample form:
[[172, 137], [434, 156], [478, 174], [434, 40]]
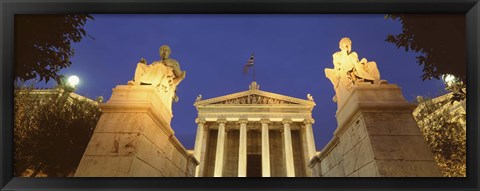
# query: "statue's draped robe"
[[157, 74], [343, 65]]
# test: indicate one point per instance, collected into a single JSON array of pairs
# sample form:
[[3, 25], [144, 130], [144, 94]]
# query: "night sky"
[[291, 52]]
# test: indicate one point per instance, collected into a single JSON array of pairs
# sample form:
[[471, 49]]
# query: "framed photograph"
[[239, 95]]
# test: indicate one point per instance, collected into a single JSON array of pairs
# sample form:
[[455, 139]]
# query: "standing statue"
[[348, 70], [164, 74]]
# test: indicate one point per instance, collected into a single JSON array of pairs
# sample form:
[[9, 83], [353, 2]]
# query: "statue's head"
[[165, 52], [345, 44]]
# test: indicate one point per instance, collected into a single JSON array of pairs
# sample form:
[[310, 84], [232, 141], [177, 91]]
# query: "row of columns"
[[200, 147]]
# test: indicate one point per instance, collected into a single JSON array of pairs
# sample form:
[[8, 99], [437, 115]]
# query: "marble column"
[[242, 149], [199, 145], [308, 144], [265, 149], [219, 157], [309, 135], [290, 168]]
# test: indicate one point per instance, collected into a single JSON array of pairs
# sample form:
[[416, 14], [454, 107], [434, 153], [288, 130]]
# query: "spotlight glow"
[[73, 80], [449, 79]]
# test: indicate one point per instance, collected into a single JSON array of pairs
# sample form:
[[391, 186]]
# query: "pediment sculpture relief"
[[254, 99]]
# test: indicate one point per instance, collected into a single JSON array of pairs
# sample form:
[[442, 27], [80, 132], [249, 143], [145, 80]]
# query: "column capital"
[[309, 121], [200, 121], [242, 121], [265, 121], [222, 121], [286, 121]]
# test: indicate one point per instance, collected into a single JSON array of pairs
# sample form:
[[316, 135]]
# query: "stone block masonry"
[[133, 138], [377, 136]]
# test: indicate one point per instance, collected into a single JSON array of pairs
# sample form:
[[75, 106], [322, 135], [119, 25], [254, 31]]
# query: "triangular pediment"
[[254, 99], [254, 96]]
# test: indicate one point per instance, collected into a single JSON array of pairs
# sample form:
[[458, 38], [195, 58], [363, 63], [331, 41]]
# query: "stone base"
[[141, 96], [377, 136], [133, 138]]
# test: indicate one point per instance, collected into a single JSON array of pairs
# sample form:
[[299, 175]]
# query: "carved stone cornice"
[[260, 115]]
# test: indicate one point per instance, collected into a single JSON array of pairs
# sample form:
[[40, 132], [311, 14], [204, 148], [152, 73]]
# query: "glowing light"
[[73, 81], [449, 79]]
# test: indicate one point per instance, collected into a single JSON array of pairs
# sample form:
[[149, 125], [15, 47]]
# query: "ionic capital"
[[265, 121], [221, 121], [287, 121], [242, 121], [309, 121], [200, 121]]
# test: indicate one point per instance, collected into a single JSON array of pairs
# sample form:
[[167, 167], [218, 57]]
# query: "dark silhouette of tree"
[[441, 41], [52, 130], [42, 44]]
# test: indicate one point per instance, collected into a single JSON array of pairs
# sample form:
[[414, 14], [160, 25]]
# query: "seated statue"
[[164, 74], [349, 70]]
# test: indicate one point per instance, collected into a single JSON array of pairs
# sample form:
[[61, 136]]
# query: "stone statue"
[[164, 74], [349, 70], [199, 97], [310, 97]]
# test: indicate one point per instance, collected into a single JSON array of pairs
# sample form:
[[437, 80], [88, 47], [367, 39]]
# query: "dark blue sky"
[[291, 52]]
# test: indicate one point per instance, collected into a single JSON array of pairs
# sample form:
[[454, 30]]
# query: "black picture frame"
[[9, 8]]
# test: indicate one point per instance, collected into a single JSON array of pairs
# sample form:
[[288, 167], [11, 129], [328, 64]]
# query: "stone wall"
[[133, 139], [377, 137]]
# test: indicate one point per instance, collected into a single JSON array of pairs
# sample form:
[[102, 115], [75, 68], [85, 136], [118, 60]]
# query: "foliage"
[[42, 44], [51, 131], [444, 131], [458, 89], [439, 38]]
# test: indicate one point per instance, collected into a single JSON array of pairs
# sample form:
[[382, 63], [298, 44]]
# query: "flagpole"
[[249, 64], [253, 68], [254, 72]]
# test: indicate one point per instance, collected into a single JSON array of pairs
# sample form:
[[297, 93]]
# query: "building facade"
[[429, 110], [254, 133]]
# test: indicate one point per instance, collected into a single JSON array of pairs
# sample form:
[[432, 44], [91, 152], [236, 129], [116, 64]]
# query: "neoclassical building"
[[254, 133]]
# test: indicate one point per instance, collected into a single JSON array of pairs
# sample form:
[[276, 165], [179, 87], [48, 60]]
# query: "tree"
[[42, 44], [441, 41], [52, 130], [443, 127]]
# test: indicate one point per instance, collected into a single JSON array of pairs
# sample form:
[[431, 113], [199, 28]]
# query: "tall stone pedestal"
[[377, 136], [133, 138]]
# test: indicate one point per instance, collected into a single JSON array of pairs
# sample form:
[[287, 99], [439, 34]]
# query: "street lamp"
[[73, 81], [449, 79]]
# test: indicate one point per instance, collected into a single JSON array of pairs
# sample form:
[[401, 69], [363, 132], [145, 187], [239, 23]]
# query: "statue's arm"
[[179, 74], [354, 56], [176, 65], [176, 68], [363, 61], [336, 65]]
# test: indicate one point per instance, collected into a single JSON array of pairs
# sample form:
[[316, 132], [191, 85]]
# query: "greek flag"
[[248, 64]]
